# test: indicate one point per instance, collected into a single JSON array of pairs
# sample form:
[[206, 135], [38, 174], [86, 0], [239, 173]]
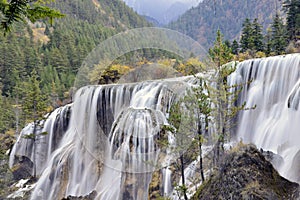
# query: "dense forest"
[[54, 52], [203, 21]]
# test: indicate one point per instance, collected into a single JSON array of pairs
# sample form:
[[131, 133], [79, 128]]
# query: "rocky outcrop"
[[273, 158], [90, 196], [22, 169], [246, 174]]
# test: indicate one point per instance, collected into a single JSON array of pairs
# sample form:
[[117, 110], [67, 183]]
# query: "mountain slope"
[[203, 21], [65, 44], [110, 13]]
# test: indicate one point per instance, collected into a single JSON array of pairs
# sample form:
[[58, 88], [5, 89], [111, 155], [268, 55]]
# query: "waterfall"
[[54, 126], [275, 123], [110, 141]]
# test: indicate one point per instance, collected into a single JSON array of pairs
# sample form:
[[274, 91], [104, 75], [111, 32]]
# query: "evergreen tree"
[[246, 41], [235, 47], [279, 40], [199, 102], [292, 9], [220, 53], [268, 42], [6, 115], [223, 96], [257, 35]]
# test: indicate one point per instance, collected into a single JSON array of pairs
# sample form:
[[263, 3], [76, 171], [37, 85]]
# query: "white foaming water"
[[274, 124], [111, 144], [55, 126]]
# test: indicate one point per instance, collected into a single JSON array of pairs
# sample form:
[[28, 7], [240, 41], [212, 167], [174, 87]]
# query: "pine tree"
[[223, 95], [292, 9], [279, 39], [177, 119], [246, 41], [199, 102], [258, 37], [220, 53], [268, 42], [6, 115], [235, 47]]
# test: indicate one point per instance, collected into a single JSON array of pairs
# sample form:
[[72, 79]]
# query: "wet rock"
[[155, 185], [246, 174], [23, 168], [90, 196], [273, 158]]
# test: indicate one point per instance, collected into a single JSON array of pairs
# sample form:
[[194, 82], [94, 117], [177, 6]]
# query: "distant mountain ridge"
[[203, 21], [163, 11]]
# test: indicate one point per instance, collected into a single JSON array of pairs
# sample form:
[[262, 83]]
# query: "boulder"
[[244, 173]]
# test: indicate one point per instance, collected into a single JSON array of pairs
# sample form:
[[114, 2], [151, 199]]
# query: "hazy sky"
[[157, 8]]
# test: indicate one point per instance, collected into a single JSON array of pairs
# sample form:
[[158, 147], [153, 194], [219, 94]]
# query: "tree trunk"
[[34, 149], [201, 162], [183, 178], [200, 148]]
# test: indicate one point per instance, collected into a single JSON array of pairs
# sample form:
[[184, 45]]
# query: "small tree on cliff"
[[197, 102], [34, 108], [224, 96], [182, 141], [189, 123]]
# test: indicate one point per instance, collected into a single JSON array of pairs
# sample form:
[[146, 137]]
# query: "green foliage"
[[252, 37], [279, 37], [235, 47], [33, 136], [223, 96], [56, 55], [20, 10], [6, 115], [292, 9], [220, 53], [35, 102], [247, 39], [203, 21], [254, 43], [257, 36]]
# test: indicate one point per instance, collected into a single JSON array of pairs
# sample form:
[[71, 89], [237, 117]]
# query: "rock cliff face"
[[246, 174]]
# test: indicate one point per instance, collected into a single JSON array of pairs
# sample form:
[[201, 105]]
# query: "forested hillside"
[[203, 21], [55, 52]]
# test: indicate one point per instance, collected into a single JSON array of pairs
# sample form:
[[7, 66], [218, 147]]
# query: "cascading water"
[[274, 125], [111, 142], [55, 126]]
